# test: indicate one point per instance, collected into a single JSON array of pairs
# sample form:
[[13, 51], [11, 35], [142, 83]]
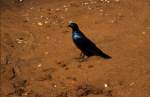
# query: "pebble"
[[105, 85], [65, 6], [20, 0], [131, 84], [55, 86], [143, 33], [117, 0], [46, 22], [40, 23], [19, 41], [41, 16], [32, 8], [39, 65]]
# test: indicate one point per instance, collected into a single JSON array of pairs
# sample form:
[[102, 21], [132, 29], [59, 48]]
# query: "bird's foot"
[[83, 58]]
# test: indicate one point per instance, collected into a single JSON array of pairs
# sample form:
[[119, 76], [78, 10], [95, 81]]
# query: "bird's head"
[[74, 26]]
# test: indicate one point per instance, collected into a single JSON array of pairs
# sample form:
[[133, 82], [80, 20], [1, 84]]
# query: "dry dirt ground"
[[39, 58]]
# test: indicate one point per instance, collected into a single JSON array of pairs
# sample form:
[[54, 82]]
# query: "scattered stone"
[[85, 90], [41, 16], [55, 86], [105, 85], [39, 65], [143, 33], [46, 22], [65, 6], [117, 0], [32, 8], [20, 41], [40, 23], [131, 84]]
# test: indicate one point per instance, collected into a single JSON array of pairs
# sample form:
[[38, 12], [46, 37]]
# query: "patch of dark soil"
[[85, 90], [62, 94], [19, 86]]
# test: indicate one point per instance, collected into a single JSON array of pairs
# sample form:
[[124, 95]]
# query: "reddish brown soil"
[[39, 59]]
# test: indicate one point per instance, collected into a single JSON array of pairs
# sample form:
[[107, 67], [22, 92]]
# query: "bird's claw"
[[83, 58]]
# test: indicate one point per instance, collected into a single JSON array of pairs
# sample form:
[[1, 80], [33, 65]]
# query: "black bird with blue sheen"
[[86, 46]]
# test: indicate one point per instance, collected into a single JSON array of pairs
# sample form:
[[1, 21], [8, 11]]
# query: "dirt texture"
[[39, 58]]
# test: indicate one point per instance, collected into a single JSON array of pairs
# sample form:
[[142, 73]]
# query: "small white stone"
[[20, 0], [41, 16], [19, 41], [143, 33], [105, 85], [40, 23], [117, 0], [55, 86], [65, 6], [108, 1], [39, 65], [131, 84], [31, 8], [46, 22]]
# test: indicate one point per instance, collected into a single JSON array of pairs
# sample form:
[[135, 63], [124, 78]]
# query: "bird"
[[87, 47]]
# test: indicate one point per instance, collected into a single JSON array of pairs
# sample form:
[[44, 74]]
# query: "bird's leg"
[[81, 54], [83, 57]]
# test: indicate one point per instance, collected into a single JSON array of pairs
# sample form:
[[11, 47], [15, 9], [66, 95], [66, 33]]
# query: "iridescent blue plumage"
[[76, 35]]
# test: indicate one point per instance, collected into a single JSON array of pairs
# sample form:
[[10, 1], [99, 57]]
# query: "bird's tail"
[[105, 56], [102, 54]]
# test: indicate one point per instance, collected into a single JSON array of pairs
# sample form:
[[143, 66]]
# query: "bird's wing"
[[86, 43]]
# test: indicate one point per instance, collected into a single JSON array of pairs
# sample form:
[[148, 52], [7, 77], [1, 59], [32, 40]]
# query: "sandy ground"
[[39, 58]]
